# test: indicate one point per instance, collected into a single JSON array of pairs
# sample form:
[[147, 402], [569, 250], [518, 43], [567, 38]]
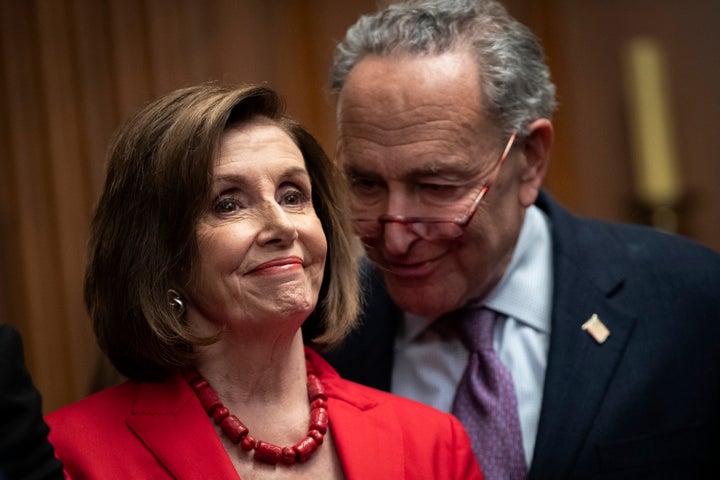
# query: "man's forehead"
[[412, 162], [408, 80], [386, 96]]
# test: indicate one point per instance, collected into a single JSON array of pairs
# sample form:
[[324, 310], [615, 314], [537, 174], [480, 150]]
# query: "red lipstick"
[[284, 263]]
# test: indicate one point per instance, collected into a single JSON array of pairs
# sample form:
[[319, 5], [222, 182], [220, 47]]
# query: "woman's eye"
[[226, 205], [294, 197]]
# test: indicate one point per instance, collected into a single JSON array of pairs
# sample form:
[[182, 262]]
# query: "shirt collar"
[[525, 291]]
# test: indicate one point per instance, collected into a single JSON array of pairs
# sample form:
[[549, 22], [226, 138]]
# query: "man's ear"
[[536, 151]]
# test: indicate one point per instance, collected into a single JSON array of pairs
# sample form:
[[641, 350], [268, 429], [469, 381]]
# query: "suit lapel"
[[367, 356], [170, 421], [579, 369]]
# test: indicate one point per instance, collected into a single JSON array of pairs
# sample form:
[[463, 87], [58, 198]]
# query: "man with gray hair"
[[568, 347]]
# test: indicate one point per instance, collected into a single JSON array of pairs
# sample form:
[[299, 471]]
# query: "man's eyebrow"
[[418, 172], [357, 171]]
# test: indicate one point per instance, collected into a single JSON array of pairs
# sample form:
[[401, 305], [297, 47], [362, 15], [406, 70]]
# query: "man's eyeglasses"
[[430, 228]]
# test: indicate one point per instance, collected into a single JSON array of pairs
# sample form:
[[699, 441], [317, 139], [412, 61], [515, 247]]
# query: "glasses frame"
[[462, 222]]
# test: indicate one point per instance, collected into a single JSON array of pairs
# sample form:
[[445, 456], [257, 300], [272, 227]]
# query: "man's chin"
[[409, 273], [425, 301]]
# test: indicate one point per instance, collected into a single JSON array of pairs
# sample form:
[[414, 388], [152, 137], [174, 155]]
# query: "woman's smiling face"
[[261, 245]]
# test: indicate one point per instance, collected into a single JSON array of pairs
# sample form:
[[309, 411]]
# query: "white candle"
[[657, 181]]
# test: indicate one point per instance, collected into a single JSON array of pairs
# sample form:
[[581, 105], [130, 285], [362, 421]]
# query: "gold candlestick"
[[657, 181]]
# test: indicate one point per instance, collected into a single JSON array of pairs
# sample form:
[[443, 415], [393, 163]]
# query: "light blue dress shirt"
[[430, 360]]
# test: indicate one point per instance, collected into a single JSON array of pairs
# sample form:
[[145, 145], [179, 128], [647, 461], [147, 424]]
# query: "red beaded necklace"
[[237, 432]]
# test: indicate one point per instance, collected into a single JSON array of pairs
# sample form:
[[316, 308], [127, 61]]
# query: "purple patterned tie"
[[485, 402]]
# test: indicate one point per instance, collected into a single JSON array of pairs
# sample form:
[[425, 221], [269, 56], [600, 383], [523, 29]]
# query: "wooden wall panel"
[[96, 92], [33, 221], [131, 63], [586, 41], [66, 171]]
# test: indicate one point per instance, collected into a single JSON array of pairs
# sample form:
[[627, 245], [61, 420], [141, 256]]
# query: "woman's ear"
[[536, 151]]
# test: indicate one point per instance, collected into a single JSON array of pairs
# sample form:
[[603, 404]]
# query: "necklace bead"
[[239, 434]]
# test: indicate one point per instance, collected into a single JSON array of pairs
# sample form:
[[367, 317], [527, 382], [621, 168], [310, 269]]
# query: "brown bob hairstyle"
[[143, 236]]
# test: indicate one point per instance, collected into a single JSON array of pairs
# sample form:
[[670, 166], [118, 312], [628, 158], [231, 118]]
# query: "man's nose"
[[397, 238]]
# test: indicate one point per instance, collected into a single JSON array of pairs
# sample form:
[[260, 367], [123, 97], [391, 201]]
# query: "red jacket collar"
[[170, 421]]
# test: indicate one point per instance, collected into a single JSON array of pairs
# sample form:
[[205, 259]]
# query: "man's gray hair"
[[514, 79]]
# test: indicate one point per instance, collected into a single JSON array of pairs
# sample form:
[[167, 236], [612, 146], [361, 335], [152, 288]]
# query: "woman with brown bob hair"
[[143, 233], [220, 260]]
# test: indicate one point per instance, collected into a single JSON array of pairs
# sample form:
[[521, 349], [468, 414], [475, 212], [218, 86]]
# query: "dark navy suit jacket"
[[25, 452], [644, 404]]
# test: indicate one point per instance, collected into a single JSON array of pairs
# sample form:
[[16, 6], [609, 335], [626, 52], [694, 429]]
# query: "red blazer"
[[160, 430]]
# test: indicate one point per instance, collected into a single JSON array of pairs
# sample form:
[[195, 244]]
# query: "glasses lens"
[[441, 201], [369, 229], [428, 229], [436, 230]]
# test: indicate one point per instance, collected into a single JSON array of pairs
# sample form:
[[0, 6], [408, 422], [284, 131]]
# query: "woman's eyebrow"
[[235, 178]]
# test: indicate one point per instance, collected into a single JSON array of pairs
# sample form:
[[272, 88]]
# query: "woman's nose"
[[277, 225]]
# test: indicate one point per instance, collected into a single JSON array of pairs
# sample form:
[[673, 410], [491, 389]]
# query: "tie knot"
[[476, 328]]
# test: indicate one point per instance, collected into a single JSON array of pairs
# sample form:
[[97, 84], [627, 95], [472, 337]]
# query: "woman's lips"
[[279, 264]]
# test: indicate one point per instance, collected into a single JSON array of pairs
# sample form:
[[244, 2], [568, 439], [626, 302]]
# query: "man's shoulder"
[[584, 239]]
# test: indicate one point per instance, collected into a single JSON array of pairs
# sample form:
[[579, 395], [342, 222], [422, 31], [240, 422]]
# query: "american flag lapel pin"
[[596, 329]]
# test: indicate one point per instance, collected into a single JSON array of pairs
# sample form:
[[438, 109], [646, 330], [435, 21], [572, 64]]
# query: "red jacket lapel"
[[369, 441], [170, 421]]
